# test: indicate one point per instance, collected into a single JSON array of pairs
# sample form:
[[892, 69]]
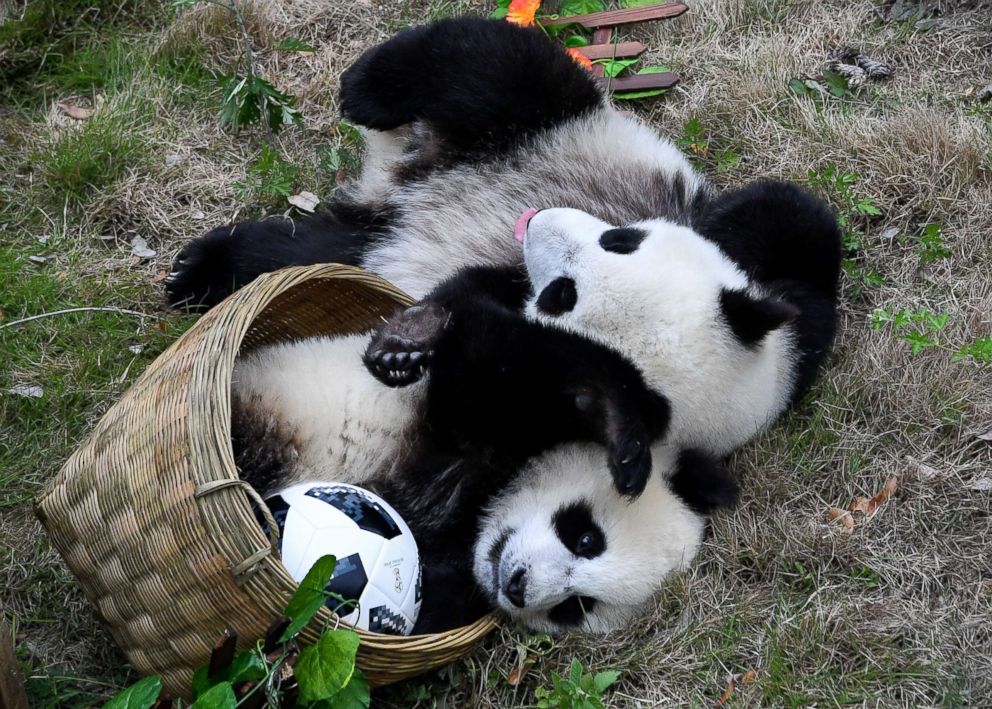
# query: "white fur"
[[346, 425], [659, 306], [465, 215], [646, 540]]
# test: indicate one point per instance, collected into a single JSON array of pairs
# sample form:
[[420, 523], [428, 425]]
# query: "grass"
[[896, 613]]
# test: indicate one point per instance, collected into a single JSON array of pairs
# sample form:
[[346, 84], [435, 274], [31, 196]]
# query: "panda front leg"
[[472, 80], [214, 265], [500, 381]]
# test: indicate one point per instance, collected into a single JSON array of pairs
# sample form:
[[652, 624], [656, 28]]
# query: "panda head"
[[562, 550], [682, 293]]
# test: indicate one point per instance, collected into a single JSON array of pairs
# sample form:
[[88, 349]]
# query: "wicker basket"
[[153, 520]]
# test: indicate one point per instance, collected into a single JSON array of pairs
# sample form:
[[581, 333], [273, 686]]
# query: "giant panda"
[[308, 410], [732, 309]]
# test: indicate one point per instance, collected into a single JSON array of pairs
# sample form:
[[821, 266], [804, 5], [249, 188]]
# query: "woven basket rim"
[[293, 277]]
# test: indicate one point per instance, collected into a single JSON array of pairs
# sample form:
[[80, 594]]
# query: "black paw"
[[202, 274], [401, 350], [630, 464]]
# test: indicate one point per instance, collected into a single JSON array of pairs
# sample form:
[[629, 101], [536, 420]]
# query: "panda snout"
[[516, 586]]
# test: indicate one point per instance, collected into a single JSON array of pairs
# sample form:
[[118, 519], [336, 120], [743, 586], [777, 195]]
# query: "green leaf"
[[219, 697], [293, 44], [201, 681], [355, 695], [580, 7], [798, 87], [140, 695], [324, 668], [613, 67], [602, 680], [577, 40], [247, 665], [499, 13], [836, 84], [644, 93], [309, 596], [637, 3], [575, 672]]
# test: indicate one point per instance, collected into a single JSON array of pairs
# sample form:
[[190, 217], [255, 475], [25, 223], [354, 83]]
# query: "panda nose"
[[515, 587]]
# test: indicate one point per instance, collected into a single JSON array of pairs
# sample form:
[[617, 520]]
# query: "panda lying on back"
[[725, 304], [308, 410], [728, 307]]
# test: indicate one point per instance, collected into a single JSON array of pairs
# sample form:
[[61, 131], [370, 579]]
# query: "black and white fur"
[[309, 410], [455, 158]]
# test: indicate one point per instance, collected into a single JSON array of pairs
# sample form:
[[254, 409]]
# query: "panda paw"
[[630, 463], [402, 349]]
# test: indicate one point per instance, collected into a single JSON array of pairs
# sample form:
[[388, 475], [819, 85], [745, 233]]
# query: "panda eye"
[[558, 297], [577, 530], [624, 240], [586, 542]]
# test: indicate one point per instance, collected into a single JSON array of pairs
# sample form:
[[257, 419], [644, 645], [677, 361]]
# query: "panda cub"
[[309, 410], [725, 303]]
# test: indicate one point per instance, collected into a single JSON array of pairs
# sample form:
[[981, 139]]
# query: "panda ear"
[[703, 482], [751, 318]]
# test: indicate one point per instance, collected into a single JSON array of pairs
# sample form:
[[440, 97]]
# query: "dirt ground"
[[888, 609]]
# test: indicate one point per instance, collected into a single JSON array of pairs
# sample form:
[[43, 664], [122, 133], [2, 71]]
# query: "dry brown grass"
[[897, 613]]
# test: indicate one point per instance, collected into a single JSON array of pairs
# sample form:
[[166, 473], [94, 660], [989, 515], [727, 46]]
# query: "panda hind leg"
[[471, 80]]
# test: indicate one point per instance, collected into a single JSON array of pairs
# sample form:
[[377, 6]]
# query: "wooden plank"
[[601, 36], [612, 18], [638, 82], [12, 694], [608, 51]]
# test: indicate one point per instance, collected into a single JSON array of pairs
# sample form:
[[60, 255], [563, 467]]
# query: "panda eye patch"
[[558, 297], [577, 530], [623, 240]]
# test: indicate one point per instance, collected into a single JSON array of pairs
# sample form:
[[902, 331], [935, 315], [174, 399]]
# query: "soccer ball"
[[378, 565]]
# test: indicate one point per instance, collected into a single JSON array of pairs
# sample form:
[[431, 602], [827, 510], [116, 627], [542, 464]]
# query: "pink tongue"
[[521, 227]]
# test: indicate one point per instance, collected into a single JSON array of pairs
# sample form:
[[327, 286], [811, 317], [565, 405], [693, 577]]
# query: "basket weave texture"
[[151, 517]]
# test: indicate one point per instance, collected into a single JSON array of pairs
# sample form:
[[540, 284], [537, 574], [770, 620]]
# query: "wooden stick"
[[12, 694], [601, 36], [608, 51], [637, 82], [612, 18]]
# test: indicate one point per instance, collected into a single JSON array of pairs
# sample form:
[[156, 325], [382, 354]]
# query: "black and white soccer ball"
[[378, 565]]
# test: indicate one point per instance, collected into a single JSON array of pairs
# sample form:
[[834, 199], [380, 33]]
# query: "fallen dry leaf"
[[197, 214], [749, 678], [987, 436], [73, 111], [725, 697], [31, 391], [889, 233], [843, 516], [38, 259], [161, 325], [171, 160], [516, 675], [981, 484], [870, 505], [160, 276], [921, 470], [139, 248], [307, 201], [136, 349]]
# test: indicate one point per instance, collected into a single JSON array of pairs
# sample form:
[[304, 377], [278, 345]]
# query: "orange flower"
[[521, 12], [578, 56]]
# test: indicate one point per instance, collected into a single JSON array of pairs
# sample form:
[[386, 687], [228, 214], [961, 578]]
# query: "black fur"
[[572, 610], [480, 84], [789, 242], [500, 381], [623, 240], [578, 531], [212, 267], [750, 318], [703, 482], [558, 297]]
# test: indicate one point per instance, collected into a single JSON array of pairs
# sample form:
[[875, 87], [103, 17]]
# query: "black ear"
[[703, 482], [753, 318]]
